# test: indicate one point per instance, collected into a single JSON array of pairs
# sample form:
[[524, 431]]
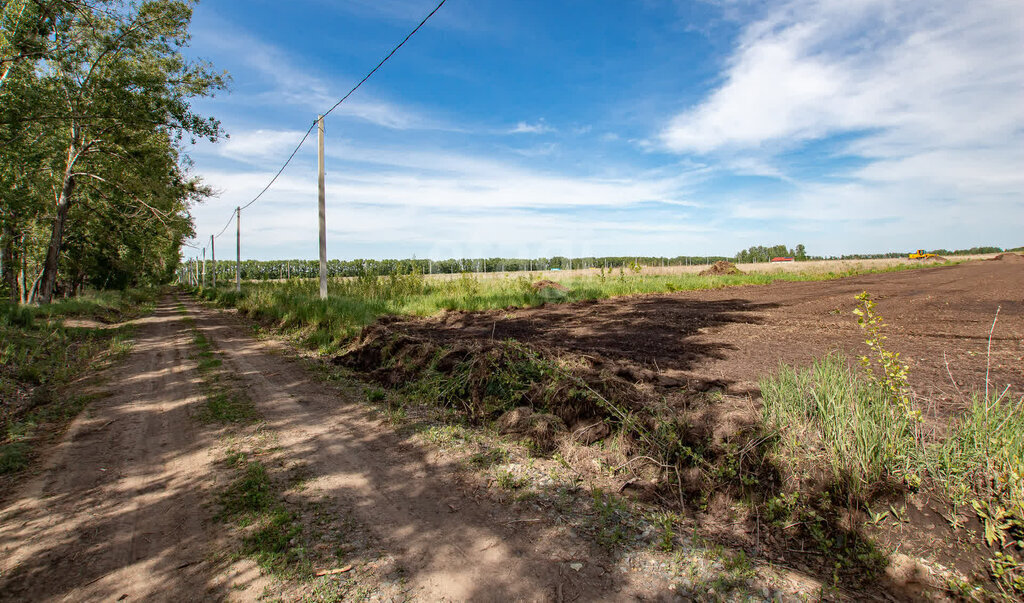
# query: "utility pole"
[[204, 269], [213, 260], [323, 205], [238, 249]]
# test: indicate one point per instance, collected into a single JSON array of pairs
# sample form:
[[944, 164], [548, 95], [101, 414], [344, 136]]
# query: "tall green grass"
[[827, 413]]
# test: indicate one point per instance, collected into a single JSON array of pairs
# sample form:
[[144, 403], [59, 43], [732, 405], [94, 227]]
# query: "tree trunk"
[[10, 275], [49, 279]]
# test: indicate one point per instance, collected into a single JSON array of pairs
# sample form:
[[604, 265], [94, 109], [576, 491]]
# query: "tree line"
[[283, 269], [224, 270], [761, 253], [95, 120]]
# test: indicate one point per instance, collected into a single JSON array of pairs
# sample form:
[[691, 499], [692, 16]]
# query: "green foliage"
[[760, 253], [507, 480], [250, 493], [252, 500], [272, 543], [95, 120], [827, 413], [13, 457], [893, 377], [610, 525]]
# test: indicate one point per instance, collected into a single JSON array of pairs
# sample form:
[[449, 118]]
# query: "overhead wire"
[[329, 111], [385, 59]]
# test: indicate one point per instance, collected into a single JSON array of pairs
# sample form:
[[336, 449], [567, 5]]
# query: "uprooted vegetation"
[[831, 468]]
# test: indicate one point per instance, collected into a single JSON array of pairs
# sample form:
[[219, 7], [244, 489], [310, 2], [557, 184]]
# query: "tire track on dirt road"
[[117, 510], [450, 543]]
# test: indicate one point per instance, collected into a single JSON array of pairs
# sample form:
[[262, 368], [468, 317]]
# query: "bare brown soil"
[[938, 318], [672, 345]]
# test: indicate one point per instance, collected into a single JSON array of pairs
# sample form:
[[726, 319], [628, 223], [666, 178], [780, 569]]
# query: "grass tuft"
[[827, 413]]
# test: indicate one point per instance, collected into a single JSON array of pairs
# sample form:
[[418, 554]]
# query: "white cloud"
[[938, 72], [930, 94], [527, 128], [259, 145], [295, 84], [441, 202]]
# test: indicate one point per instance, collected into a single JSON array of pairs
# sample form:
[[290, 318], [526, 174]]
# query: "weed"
[[849, 424], [224, 406], [250, 493], [375, 394], [13, 457], [446, 436], [610, 525], [893, 377], [507, 480], [272, 544], [488, 458], [666, 521]]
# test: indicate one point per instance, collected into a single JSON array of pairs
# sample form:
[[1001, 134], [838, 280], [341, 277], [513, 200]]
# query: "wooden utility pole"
[[323, 206], [213, 260], [238, 249]]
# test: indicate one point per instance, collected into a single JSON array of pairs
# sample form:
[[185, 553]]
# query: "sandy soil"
[[117, 508], [449, 540]]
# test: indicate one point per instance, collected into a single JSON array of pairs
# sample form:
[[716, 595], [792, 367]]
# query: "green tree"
[[113, 110]]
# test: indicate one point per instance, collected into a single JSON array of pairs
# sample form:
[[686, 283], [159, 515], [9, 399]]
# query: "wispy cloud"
[[295, 85], [927, 95], [535, 128], [945, 74], [258, 146]]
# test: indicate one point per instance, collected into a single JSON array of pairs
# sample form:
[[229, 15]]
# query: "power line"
[[385, 59], [228, 223], [289, 160], [343, 99]]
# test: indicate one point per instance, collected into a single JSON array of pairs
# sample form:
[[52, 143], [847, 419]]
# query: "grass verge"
[[827, 416], [40, 356]]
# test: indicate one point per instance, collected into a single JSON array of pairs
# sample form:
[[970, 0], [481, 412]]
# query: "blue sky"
[[649, 127]]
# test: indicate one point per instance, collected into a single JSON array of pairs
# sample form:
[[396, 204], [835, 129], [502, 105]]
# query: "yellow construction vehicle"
[[920, 253]]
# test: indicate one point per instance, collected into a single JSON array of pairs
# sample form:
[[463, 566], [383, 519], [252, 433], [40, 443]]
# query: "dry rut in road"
[[118, 507]]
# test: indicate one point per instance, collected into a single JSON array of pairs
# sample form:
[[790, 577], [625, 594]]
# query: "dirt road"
[[122, 508], [117, 508]]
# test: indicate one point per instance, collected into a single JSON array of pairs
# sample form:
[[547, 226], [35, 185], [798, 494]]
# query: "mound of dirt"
[[563, 401], [1009, 257], [934, 259], [541, 428], [721, 267], [546, 284]]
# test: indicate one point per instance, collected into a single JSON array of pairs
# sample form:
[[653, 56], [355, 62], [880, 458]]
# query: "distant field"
[[810, 267]]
